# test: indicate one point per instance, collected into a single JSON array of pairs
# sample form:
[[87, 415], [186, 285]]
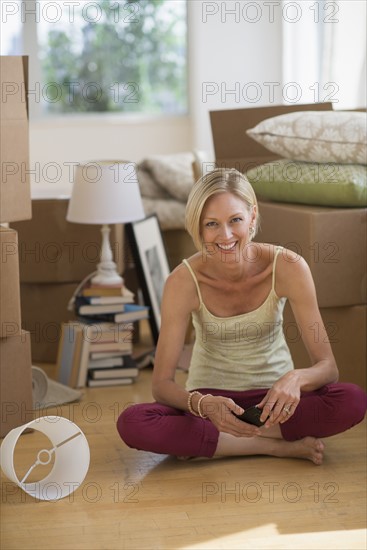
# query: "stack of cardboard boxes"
[[15, 204], [333, 241]]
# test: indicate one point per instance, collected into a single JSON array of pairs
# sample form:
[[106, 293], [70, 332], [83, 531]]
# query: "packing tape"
[[71, 458]]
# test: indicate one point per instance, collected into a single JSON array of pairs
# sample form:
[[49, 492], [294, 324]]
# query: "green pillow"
[[328, 184]]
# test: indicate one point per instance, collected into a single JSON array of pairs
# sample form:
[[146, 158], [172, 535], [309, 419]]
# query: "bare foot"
[[309, 448]]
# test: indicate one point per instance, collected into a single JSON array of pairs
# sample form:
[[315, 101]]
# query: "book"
[[125, 372], [100, 324], [132, 313], [116, 347], [128, 370], [82, 375], [104, 300], [68, 346], [110, 382], [107, 362], [99, 291], [83, 307], [76, 358], [73, 356], [118, 334], [106, 354]]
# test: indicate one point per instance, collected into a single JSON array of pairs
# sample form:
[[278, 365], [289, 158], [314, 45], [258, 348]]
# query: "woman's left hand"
[[281, 400]]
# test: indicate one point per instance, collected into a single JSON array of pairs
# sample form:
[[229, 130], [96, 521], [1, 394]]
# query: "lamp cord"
[[78, 288]]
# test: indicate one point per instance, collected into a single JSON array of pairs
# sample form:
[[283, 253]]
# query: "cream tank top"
[[242, 352]]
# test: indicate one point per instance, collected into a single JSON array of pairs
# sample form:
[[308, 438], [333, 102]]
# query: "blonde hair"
[[220, 180]]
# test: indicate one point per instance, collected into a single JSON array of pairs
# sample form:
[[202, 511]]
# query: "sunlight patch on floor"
[[268, 537]]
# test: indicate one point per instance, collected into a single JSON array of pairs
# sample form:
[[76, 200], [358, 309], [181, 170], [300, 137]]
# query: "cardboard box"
[[15, 196], [52, 249], [347, 329], [178, 245], [233, 147], [333, 241], [44, 309], [10, 318], [15, 382]]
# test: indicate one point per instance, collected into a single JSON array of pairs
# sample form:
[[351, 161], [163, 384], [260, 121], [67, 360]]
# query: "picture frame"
[[150, 257]]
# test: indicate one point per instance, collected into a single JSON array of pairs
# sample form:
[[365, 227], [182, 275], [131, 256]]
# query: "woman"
[[235, 292]]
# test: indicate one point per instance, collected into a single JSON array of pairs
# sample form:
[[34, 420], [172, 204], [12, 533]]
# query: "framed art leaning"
[[145, 239]]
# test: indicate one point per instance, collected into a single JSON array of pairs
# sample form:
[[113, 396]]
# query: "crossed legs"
[[328, 411]]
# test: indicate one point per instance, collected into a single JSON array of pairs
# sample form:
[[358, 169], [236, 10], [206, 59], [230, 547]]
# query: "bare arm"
[[294, 280], [178, 301], [301, 294]]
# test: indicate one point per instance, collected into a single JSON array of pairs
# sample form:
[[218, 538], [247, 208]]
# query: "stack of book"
[[113, 304], [96, 350]]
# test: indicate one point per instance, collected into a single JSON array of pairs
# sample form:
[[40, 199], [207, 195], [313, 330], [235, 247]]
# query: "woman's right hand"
[[221, 410]]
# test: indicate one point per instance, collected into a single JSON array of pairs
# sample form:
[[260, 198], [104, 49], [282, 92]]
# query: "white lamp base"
[[107, 269]]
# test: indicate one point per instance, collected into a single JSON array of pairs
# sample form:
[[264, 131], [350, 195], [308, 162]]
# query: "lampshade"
[[105, 192], [69, 448]]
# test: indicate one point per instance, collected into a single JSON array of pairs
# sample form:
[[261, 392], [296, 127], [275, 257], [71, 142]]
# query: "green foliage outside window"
[[119, 56]]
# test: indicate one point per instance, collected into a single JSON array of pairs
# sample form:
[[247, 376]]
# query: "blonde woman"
[[235, 291]]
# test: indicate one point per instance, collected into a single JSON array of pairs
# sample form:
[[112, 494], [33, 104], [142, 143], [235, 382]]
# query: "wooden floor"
[[137, 500]]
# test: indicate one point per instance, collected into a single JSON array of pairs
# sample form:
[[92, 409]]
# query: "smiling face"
[[225, 224]]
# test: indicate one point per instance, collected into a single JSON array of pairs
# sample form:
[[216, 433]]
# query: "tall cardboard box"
[[15, 196], [346, 328], [15, 204], [10, 318], [178, 245], [44, 309], [15, 382], [333, 241]]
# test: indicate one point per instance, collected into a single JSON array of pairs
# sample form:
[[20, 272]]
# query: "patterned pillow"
[[315, 136], [340, 185]]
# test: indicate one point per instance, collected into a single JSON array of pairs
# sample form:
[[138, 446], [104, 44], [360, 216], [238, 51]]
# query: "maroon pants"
[[327, 411]]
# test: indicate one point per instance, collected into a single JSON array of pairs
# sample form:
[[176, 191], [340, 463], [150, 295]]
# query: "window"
[[107, 56], [324, 51], [11, 28]]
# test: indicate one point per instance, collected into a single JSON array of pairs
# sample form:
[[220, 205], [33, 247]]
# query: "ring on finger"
[[287, 409]]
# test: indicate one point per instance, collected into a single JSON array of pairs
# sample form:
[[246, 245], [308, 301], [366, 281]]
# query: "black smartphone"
[[251, 416]]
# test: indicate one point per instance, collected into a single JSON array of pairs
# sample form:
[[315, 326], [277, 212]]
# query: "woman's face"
[[225, 224]]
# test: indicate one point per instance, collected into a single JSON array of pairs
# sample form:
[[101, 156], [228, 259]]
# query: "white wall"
[[57, 143], [235, 60], [240, 51]]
